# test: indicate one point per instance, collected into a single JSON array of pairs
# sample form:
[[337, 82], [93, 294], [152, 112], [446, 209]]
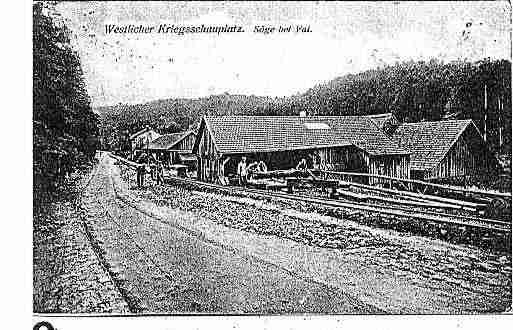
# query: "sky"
[[346, 37]]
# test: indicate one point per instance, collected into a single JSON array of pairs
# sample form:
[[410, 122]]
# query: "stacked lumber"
[[472, 191], [352, 196], [417, 199]]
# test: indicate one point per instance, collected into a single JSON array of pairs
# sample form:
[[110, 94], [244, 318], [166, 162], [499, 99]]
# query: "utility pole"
[[500, 124], [148, 144], [486, 111]]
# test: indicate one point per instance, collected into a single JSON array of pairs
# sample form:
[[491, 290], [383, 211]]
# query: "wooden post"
[[500, 125], [486, 111], [290, 187]]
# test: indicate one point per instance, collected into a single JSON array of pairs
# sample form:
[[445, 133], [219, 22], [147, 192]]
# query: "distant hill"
[[414, 91]]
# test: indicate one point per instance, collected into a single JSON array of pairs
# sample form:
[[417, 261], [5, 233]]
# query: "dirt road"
[[186, 255]]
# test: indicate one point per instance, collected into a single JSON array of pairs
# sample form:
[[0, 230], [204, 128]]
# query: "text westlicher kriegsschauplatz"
[[201, 28]]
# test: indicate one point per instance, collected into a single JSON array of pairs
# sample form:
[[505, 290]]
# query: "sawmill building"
[[174, 148], [141, 139], [441, 150], [378, 144], [352, 144]]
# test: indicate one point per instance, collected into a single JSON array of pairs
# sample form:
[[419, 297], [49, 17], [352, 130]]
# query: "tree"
[[413, 91], [64, 125]]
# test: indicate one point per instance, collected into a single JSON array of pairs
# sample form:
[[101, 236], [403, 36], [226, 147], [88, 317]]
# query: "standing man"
[[242, 172], [140, 175], [152, 163], [159, 172], [222, 175], [141, 169], [315, 161]]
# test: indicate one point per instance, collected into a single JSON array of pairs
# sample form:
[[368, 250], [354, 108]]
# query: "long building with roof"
[[174, 147], [142, 138], [352, 143], [377, 144], [441, 149]]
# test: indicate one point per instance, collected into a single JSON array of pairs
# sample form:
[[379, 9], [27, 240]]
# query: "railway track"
[[391, 210], [426, 216]]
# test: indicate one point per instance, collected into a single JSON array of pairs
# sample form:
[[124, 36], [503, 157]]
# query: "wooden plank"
[[416, 203], [422, 216], [418, 199], [425, 197], [427, 184], [352, 195], [258, 185], [318, 182], [279, 174], [422, 203], [275, 186]]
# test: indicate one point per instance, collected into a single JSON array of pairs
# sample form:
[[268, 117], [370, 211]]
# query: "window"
[[317, 126]]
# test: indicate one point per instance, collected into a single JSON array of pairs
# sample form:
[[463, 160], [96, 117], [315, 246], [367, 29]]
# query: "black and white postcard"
[[259, 159]]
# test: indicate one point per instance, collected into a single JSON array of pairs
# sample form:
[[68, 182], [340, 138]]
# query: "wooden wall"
[[397, 166], [352, 159], [349, 159], [186, 144], [208, 158], [459, 161], [139, 142], [466, 158]]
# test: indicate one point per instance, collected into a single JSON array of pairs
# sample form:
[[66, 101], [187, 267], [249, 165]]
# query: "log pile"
[[292, 179], [417, 199]]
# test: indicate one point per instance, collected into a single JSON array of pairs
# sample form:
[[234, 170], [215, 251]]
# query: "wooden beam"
[[352, 195], [422, 216], [425, 197], [426, 184], [415, 203]]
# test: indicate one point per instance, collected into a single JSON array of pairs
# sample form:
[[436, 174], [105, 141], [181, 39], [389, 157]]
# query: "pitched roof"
[[428, 142], [136, 134], [244, 134], [380, 119], [167, 141]]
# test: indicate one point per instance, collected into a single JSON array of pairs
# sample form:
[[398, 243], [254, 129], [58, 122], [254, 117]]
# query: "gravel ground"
[[476, 279], [68, 276], [456, 234], [165, 269], [198, 251], [170, 249]]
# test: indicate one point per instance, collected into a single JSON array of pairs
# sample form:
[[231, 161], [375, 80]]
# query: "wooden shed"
[[352, 144], [172, 148], [448, 149], [141, 139]]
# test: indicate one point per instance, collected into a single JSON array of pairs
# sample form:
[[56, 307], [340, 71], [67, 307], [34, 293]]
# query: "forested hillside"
[[64, 126], [414, 91], [172, 115]]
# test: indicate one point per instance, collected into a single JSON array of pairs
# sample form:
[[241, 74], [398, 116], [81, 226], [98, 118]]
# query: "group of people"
[[149, 164], [244, 171]]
